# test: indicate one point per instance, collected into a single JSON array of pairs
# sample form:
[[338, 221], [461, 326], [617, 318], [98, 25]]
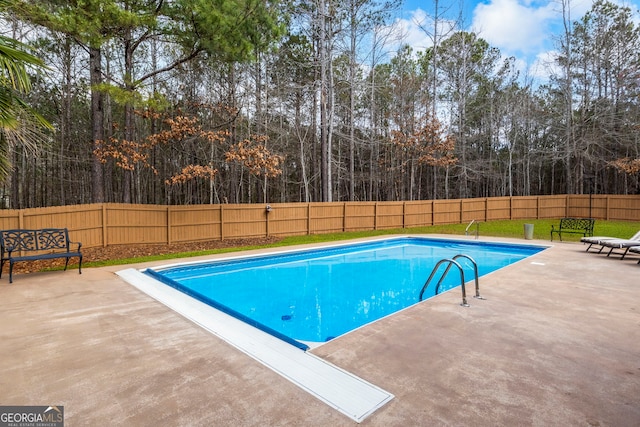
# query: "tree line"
[[249, 101]]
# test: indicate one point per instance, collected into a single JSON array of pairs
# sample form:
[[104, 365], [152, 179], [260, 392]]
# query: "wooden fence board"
[[136, 223], [524, 207], [622, 208], [498, 208], [389, 215], [288, 219], [359, 216], [474, 209], [115, 224], [244, 221], [194, 223], [552, 206], [447, 212], [326, 218], [418, 213]]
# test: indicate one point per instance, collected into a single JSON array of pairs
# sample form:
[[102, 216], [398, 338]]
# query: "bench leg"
[[11, 271], [80, 264], [66, 263]]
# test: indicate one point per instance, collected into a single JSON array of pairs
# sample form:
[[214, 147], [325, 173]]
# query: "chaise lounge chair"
[[599, 240], [621, 244], [635, 249]]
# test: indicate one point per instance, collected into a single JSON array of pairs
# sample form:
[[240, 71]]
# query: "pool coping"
[[343, 391]]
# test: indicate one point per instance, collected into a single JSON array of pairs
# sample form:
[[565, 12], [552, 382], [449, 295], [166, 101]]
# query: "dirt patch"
[[137, 251]]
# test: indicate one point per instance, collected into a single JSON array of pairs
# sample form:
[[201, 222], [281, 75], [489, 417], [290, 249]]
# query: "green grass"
[[510, 229]]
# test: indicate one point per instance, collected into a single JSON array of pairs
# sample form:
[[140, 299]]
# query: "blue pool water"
[[315, 295]]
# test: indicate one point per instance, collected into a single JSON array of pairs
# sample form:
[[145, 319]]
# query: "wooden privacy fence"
[[120, 224]]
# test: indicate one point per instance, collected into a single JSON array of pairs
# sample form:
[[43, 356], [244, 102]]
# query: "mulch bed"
[[135, 251]]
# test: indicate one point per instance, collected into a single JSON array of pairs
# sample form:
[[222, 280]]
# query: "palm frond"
[[14, 64], [20, 124]]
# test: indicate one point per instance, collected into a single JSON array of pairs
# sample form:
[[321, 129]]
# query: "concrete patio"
[[555, 343]]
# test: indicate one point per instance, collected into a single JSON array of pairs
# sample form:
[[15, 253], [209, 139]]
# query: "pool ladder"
[[449, 262], [466, 230]]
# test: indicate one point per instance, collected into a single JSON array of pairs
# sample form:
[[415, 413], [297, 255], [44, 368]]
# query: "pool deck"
[[555, 343]]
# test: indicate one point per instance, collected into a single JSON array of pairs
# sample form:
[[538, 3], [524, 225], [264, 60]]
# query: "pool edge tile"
[[343, 391]]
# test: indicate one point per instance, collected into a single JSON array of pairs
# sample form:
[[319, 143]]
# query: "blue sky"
[[525, 29]]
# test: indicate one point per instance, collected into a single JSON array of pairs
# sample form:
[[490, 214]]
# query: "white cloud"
[[417, 30], [514, 27], [409, 31], [544, 66], [528, 30]]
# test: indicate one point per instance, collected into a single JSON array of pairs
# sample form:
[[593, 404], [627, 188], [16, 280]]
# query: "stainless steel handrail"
[[466, 230], [450, 262]]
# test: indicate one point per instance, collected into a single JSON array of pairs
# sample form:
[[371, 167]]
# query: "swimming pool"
[[311, 296]]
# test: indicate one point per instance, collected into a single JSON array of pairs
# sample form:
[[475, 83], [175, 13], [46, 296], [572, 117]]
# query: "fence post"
[[433, 212], [168, 224], [375, 216], [486, 209], [510, 208], [104, 226], [344, 217], [266, 219], [221, 222]]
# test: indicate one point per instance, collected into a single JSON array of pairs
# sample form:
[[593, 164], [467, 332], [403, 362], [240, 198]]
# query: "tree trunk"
[[97, 128]]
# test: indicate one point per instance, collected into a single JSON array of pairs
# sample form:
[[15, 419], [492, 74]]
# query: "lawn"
[[507, 229]]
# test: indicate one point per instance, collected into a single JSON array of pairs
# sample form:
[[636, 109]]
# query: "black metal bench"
[[582, 226], [14, 244]]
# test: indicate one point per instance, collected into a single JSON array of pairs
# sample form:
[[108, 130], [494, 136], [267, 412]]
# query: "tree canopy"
[[200, 101]]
